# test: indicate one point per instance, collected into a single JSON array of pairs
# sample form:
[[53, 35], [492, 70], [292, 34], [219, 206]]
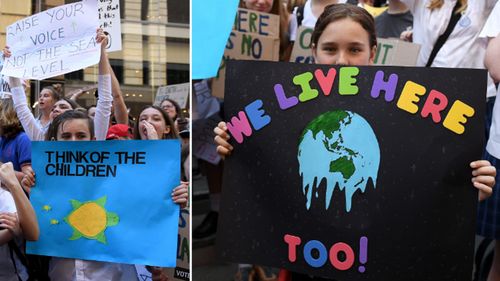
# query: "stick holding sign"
[[54, 42]]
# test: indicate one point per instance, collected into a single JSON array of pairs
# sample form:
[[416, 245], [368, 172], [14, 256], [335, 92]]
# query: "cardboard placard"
[[245, 46], [352, 173], [93, 198], [301, 51], [178, 92], [254, 22], [389, 51]]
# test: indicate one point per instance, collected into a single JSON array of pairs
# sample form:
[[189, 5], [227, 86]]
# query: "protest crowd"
[[59, 118], [450, 34]]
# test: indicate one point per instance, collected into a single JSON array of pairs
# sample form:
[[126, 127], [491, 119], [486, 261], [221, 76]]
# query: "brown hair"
[[9, 123], [63, 118], [436, 4], [171, 135], [55, 91], [336, 12]]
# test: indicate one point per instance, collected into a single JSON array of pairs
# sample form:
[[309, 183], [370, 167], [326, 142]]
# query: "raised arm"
[[121, 114], [104, 101], [25, 212], [24, 114]]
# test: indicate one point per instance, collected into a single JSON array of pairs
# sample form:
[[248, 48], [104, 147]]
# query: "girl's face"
[[155, 118], [169, 109], [259, 5], [46, 100], [74, 130], [59, 107], [344, 42]]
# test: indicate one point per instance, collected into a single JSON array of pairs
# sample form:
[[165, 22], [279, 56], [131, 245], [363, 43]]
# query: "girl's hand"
[[483, 177], [222, 138], [157, 272], [150, 133], [7, 175], [180, 194], [9, 221], [28, 180], [6, 52], [407, 36], [101, 38]]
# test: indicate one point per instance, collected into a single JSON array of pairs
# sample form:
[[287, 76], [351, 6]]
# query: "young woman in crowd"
[[103, 109], [345, 35]]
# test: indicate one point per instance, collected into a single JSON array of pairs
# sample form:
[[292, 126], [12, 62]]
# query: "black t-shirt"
[[391, 25]]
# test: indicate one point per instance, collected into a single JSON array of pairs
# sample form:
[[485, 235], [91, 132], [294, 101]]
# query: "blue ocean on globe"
[[340, 147]]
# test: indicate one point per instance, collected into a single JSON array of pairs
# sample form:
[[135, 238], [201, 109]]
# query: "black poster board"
[[406, 177]]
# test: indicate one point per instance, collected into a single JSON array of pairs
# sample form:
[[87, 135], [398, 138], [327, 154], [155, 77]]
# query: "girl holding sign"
[[77, 126], [345, 35], [103, 110]]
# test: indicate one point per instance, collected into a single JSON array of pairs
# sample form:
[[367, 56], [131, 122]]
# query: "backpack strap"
[[300, 15], [442, 39]]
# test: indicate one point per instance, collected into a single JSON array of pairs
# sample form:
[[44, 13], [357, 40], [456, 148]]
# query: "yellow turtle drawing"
[[90, 219]]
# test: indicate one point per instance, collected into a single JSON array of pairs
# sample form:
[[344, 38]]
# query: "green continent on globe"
[[343, 165], [328, 123]]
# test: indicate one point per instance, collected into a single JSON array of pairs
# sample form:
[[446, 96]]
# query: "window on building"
[[178, 11], [177, 73]]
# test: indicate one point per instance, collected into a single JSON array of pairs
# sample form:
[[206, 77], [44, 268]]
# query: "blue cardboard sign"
[[107, 200]]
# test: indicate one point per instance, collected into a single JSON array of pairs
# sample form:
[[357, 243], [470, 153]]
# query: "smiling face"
[[74, 130], [344, 42], [155, 118], [46, 100], [259, 5], [60, 107]]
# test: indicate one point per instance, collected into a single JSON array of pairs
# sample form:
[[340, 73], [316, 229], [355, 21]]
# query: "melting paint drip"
[[46, 208], [54, 221], [340, 147], [363, 253]]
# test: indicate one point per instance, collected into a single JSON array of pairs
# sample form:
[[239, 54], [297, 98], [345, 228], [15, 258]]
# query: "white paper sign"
[[109, 19], [178, 92], [53, 42]]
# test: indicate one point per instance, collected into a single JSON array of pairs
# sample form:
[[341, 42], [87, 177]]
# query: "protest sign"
[[301, 51], [179, 93], [396, 52], [209, 34], [107, 200], [109, 19], [255, 36], [254, 22], [181, 271], [53, 42], [204, 146], [244, 46], [352, 173], [4, 84], [389, 51]]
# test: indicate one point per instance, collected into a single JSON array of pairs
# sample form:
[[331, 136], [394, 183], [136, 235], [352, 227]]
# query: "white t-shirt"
[[492, 29], [7, 271], [464, 48], [308, 21]]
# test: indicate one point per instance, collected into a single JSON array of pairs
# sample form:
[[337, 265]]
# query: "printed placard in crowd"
[[53, 42], [109, 19], [178, 92], [352, 173], [4, 84], [245, 46], [107, 200], [389, 51]]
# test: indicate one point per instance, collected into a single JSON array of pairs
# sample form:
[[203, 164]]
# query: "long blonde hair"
[[436, 4]]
